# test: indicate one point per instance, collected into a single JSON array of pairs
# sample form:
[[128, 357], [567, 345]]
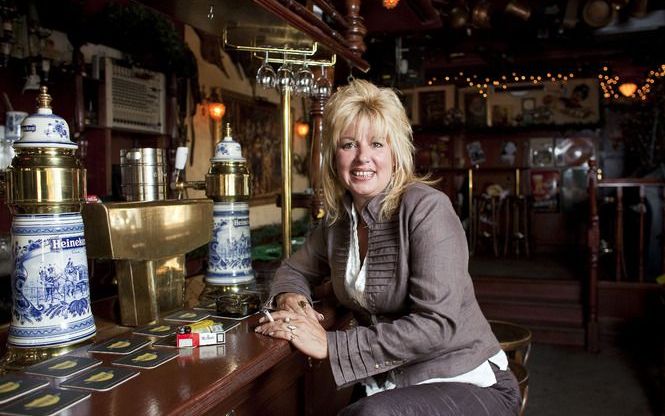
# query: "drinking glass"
[[322, 87], [285, 79], [304, 80], [266, 76]]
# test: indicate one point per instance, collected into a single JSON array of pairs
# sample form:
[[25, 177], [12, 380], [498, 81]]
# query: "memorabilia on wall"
[[541, 152], [256, 126], [429, 107], [433, 151], [476, 153], [575, 101], [433, 102], [573, 151], [508, 150], [474, 107], [545, 190]]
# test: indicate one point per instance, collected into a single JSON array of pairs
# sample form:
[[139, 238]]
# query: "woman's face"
[[364, 162]]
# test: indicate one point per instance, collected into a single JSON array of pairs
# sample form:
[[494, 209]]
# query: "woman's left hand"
[[304, 332]]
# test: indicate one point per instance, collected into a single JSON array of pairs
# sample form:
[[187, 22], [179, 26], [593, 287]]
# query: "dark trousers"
[[439, 399]]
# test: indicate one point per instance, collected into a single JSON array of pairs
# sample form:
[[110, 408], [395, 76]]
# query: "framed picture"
[[541, 152], [545, 190], [431, 105], [256, 126], [473, 106]]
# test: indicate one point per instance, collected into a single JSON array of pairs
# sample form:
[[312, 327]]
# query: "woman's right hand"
[[298, 304]]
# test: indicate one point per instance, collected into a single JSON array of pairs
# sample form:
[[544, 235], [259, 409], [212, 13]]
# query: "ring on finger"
[[287, 319], [291, 328]]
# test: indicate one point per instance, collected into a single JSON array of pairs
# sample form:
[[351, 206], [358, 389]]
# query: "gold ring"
[[303, 304]]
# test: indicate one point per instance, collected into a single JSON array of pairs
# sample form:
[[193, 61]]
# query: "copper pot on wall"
[[519, 9], [481, 15], [597, 13], [459, 16]]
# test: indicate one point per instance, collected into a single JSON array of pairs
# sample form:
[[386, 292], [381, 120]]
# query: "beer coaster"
[[63, 366], [146, 358], [45, 402], [156, 330], [13, 386], [120, 345], [100, 378], [169, 342], [187, 316]]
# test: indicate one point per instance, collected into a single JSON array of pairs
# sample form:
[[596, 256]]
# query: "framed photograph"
[[545, 190], [256, 126], [431, 105], [474, 107], [575, 102], [541, 152]]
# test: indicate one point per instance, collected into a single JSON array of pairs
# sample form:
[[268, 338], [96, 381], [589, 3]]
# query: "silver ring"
[[291, 328]]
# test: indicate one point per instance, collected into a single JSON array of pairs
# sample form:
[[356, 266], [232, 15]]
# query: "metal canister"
[[143, 173]]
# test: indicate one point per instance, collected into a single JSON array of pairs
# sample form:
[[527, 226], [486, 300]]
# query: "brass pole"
[[286, 173]]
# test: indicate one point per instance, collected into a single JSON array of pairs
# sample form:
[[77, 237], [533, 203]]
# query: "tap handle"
[[181, 157]]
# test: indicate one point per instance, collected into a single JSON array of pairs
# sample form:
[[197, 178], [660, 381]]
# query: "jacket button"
[[376, 365]]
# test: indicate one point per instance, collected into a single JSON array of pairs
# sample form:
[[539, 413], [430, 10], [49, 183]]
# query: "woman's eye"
[[377, 144], [347, 146]]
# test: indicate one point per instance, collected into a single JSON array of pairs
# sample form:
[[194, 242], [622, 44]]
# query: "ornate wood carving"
[[355, 35]]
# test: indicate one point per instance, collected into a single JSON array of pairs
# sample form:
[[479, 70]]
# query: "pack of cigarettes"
[[198, 339]]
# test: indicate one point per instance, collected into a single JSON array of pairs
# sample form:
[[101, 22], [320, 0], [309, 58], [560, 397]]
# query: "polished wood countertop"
[[205, 380]]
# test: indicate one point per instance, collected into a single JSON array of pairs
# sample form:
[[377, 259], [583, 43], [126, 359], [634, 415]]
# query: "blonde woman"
[[397, 257]]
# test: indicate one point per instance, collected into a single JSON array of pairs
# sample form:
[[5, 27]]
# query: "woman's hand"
[[297, 304], [304, 332]]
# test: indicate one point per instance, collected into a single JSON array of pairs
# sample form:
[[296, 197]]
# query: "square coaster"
[[100, 378], [157, 330], [13, 386], [146, 358], [120, 345], [45, 402], [169, 342], [187, 316], [63, 367]]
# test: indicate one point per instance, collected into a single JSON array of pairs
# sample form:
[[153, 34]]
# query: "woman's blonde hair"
[[382, 109]]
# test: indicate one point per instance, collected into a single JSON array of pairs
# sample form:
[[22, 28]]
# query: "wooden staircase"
[[552, 309]]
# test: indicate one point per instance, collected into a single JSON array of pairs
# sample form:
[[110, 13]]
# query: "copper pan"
[[597, 13]]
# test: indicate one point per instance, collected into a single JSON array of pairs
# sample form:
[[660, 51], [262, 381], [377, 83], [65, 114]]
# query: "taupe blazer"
[[422, 319]]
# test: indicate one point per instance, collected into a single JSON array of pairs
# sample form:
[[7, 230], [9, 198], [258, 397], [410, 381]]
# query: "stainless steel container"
[[143, 173]]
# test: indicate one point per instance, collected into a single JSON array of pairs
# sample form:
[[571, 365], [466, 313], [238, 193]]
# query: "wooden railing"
[[615, 195]]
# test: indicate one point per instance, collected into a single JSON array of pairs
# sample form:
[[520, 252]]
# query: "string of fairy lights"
[[609, 81]]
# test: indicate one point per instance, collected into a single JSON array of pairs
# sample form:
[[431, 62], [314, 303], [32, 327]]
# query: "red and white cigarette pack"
[[199, 339]]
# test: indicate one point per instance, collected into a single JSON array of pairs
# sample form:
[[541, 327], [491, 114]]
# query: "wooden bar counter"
[[249, 375]]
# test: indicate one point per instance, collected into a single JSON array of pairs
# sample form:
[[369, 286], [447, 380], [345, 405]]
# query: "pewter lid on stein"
[[227, 150], [44, 129]]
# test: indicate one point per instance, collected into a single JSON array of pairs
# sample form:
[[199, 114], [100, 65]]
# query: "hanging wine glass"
[[285, 79], [322, 87], [266, 76], [304, 79]]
